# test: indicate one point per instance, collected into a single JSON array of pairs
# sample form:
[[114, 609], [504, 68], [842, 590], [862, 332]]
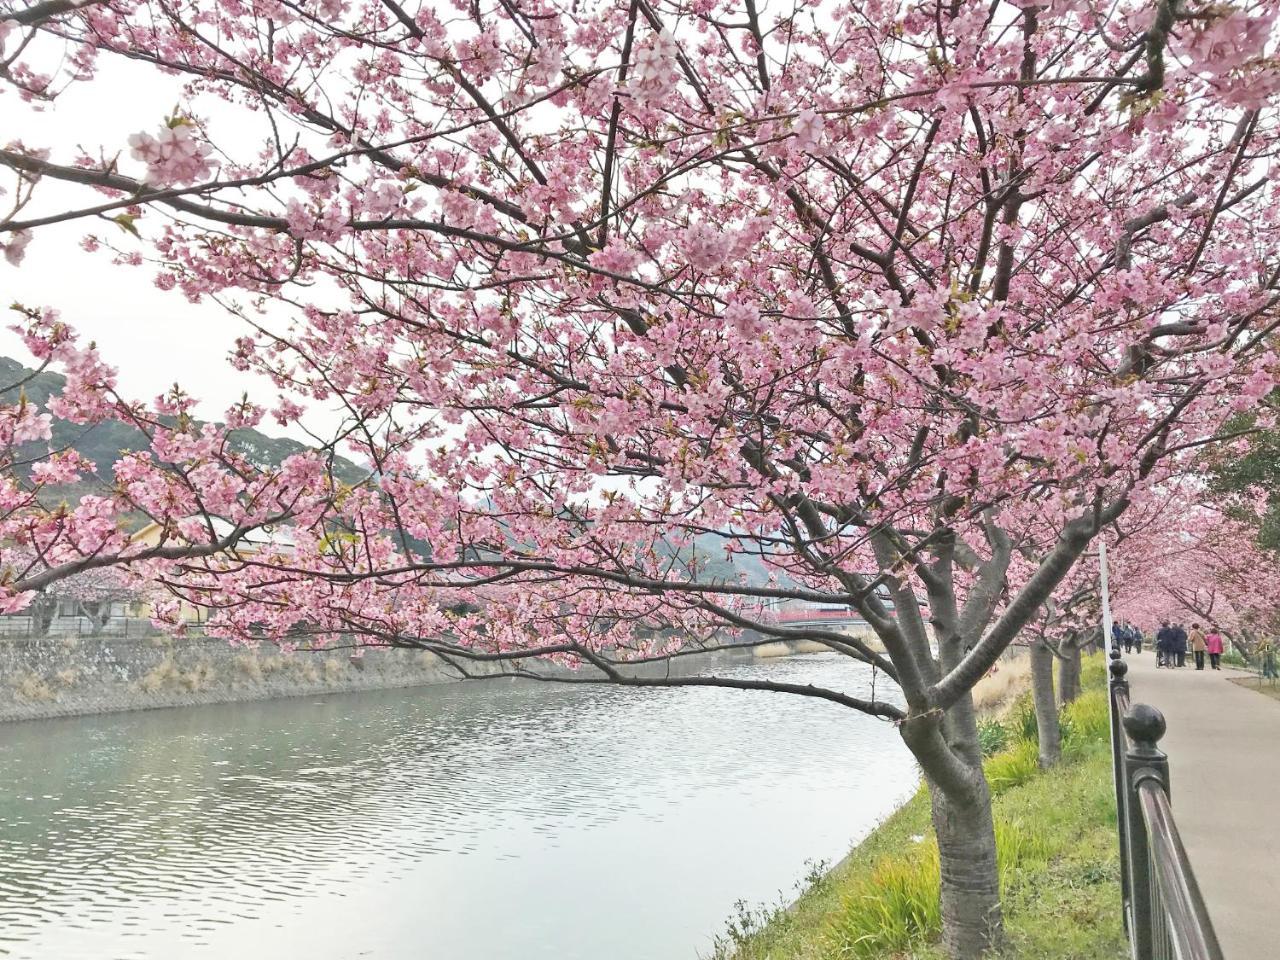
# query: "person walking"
[[1197, 645], [1267, 654], [1179, 645], [1137, 639], [1213, 644], [1126, 631], [1164, 644]]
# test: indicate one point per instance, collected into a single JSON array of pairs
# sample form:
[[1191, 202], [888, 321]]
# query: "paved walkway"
[[1223, 744]]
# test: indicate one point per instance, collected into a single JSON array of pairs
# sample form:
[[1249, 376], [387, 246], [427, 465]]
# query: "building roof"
[[279, 536]]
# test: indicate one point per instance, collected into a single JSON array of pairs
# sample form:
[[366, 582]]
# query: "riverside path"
[[1224, 772]]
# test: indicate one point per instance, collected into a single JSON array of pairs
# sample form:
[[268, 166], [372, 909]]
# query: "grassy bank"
[[995, 693], [1269, 688], [1059, 866]]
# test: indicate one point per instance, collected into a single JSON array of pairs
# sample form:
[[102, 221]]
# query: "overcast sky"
[[152, 337]]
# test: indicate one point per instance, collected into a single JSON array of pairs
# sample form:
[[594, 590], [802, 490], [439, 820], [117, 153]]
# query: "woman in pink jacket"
[[1213, 645]]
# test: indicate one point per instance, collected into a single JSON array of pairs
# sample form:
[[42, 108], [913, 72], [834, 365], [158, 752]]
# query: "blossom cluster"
[[174, 156], [655, 77], [616, 308]]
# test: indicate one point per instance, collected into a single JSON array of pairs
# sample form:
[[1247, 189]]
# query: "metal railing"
[[24, 627], [1164, 914]]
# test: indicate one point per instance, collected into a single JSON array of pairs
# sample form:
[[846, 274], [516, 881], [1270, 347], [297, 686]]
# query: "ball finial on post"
[[1144, 724]]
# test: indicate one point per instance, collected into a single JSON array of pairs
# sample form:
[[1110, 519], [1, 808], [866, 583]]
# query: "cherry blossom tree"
[[883, 297], [1199, 559], [95, 593], [1081, 632], [206, 497], [1065, 624]]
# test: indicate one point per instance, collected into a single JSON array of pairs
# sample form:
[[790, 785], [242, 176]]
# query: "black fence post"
[[1143, 763], [1118, 690]]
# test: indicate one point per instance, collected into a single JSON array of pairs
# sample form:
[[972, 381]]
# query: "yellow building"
[[276, 539]]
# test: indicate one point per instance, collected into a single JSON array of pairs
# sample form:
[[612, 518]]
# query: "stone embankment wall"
[[49, 677], [65, 676], [786, 648]]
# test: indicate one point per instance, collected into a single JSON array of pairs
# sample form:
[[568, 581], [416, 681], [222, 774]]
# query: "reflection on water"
[[469, 822]]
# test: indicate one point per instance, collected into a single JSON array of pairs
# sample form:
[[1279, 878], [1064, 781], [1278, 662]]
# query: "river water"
[[486, 821]]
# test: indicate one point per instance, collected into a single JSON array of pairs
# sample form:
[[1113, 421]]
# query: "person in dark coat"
[[1179, 645], [1164, 644]]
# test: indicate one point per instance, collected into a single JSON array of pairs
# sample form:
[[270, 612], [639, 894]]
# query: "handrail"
[[1164, 912], [1121, 694], [1190, 928]]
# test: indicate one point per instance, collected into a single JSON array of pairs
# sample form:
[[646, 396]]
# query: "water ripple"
[[479, 821]]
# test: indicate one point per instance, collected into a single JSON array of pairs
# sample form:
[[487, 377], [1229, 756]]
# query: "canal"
[[487, 821]]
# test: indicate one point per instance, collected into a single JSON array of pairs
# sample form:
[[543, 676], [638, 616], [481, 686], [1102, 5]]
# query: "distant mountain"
[[107, 442], [707, 553]]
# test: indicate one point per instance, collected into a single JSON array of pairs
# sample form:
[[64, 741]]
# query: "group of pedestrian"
[[1173, 641], [1127, 633]]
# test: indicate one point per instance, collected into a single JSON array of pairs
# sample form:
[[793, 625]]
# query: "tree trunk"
[[1069, 675], [960, 728], [98, 614], [43, 609], [971, 916], [1243, 642], [1050, 733], [972, 923]]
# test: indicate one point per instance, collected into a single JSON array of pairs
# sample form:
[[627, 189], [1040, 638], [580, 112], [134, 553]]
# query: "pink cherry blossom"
[[16, 602], [173, 156], [705, 246], [641, 320], [654, 78], [809, 128], [15, 247]]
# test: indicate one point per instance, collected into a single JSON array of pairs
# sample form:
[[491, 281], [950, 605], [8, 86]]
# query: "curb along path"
[[1223, 743]]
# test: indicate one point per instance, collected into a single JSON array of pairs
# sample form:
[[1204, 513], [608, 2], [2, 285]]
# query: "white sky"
[[152, 337]]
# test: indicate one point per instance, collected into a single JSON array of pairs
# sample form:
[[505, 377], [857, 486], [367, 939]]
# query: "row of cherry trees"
[[912, 299], [1201, 562], [1191, 555]]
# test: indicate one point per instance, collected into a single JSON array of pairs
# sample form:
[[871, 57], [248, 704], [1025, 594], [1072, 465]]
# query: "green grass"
[[1021, 721], [891, 909], [1059, 872], [1093, 672], [1012, 768], [1086, 720], [1234, 658], [1269, 688], [993, 736], [895, 908]]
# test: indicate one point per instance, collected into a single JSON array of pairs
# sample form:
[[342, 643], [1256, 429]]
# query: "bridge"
[[818, 617], [834, 619]]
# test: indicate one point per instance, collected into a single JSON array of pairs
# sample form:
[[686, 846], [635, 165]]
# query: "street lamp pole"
[[1107, 641]]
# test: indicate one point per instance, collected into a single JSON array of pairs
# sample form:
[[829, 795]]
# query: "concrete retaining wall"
[[66, 676], [49, 677]]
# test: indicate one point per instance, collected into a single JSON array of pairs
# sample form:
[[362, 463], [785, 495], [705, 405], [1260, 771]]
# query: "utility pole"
[[1106, 596]]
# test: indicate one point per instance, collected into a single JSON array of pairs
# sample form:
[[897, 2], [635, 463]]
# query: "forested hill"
[[106, 442]]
